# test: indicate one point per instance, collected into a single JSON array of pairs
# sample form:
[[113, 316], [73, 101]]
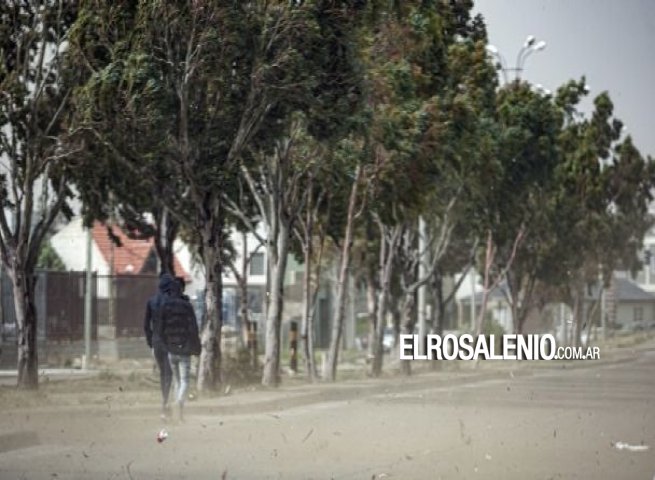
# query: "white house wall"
[[625, 314], [70, 244], [253, 243]]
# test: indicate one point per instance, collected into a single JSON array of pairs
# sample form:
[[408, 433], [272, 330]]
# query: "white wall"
[[70, 243], [252, 244], [196, 269], [625, 314]]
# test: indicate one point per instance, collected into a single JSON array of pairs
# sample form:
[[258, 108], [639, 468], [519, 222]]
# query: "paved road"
[[545, 423]]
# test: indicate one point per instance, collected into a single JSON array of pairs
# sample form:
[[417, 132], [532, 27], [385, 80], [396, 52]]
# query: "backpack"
[[177, 327]]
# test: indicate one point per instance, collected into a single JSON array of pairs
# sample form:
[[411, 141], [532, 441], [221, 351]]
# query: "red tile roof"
[[131, 256]]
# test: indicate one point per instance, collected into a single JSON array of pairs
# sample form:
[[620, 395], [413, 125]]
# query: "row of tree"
[[336, 125]]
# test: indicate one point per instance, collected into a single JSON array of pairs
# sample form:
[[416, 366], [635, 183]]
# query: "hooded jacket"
[[166, 284], [177, 327]]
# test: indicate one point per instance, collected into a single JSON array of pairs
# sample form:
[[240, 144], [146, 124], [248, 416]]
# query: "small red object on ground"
[[162, 435]]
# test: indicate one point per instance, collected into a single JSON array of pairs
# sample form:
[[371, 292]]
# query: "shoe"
[[165, 413]]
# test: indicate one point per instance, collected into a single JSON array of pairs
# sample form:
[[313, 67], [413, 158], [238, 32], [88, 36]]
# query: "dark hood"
[[166, 281]]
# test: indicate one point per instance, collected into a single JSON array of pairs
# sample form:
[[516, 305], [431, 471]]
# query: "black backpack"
[[177, 326]]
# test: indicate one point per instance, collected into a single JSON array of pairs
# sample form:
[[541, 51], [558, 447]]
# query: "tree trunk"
[[521, 289], [489, 285], [309, 297], [209, 372], [383, 297], [26, 322], [371, 290], [340, 301], [578, 315], [307, 326], [439, 309], [372, 307], [408, 322], [166, 229], [589, 318], [277, 255], [243, 291], [397, 316], [387, 254], [438, 313]]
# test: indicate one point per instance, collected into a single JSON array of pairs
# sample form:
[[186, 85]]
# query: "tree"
[[121, 178], [311, 232], [610, 183], [568, 215], [528, 126], [431, 96], [200, 81], [319, 98], [280, 197], [354, 206], [33, 102]]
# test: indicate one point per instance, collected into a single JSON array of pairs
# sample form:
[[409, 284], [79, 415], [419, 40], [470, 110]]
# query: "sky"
[[610, 42]]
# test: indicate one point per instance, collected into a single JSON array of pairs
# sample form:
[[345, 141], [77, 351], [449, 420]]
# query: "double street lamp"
[[530, 46]]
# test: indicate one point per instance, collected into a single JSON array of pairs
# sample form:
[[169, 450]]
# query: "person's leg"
[[175, 367], [184, 369], [165, 374]]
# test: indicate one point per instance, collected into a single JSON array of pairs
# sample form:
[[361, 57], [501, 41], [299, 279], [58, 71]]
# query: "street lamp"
[[530, 46]]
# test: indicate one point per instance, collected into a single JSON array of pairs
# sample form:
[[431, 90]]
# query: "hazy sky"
[[611, 42]]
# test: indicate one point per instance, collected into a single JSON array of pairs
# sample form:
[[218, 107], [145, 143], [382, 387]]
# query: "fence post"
[[87, 302], [293, 346]]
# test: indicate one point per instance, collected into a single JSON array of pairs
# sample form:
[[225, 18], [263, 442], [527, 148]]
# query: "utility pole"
[[87, 303]]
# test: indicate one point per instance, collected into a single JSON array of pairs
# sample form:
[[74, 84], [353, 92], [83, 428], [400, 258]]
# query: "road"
[[531, 423]]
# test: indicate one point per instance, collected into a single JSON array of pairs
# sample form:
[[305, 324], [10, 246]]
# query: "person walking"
[[151, 327], [178, 331]]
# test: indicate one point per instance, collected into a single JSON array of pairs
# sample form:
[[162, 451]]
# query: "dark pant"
[[165, 372]]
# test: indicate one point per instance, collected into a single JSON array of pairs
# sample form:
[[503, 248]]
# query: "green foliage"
[[431, 91], [580, 192], [49, 259]]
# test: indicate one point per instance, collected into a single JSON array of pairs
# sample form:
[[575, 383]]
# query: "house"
[[125, 276], [247, 245], [628, 307], [131, 258], [133, 267], [497, 309], [631, 307]]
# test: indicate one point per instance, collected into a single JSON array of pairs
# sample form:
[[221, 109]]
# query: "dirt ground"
[[504, 421]]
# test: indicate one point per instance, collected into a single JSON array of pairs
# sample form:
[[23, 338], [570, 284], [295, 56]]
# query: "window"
[[257, 264], [638, 313]]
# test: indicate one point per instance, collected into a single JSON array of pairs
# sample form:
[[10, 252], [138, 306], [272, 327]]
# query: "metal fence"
[[59, 302], [61, 296], [118, 305], [121, 301]]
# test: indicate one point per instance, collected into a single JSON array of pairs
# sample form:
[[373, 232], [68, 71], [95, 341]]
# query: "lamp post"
[[530, 46]]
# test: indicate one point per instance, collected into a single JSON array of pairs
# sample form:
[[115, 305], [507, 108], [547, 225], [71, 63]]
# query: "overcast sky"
[[611, 42]]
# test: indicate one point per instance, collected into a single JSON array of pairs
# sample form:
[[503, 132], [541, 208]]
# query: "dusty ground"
[[502, 421]]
